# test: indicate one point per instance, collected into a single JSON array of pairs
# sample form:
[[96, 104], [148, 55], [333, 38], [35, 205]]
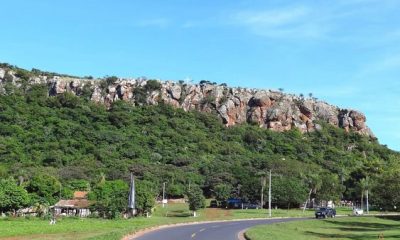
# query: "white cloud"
[[379, 66], [154, 22], [272, 18], [366, 22], [388, 63], [286, 22]]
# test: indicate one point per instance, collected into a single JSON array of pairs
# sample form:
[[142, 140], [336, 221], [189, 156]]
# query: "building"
[[78, 206]]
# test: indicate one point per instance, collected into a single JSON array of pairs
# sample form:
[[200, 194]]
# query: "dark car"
[[325, 212], [234, 203], [213, 204], [250, 206]]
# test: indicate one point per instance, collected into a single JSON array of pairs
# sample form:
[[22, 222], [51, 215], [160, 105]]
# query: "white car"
[[357, 211]]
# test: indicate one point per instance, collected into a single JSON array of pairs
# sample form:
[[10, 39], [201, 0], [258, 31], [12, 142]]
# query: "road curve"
[[226, 230]]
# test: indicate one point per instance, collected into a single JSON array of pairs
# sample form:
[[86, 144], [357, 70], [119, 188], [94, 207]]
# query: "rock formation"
[[268, 109]]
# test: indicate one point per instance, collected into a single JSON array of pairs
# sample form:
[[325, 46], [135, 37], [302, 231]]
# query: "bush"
[[152, 85]]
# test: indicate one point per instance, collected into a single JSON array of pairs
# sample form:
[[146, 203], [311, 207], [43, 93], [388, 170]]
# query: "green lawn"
[[349, 228], [91, 228]]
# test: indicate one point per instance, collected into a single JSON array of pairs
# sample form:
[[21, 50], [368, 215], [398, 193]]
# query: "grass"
[[351, 228], [91, 228]]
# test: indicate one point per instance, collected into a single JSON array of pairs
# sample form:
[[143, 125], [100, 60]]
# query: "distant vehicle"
[[213, 204], [325, 212], [234, 203], [357, 211], [251, 206]]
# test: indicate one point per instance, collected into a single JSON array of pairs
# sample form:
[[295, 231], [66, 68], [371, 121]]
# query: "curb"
[[242, 235]]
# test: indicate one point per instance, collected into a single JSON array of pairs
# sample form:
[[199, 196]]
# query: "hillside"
[[274, 110], [163, 139]]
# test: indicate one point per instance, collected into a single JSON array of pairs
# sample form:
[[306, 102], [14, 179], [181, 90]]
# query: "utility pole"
[[163, 195], [269, 195]]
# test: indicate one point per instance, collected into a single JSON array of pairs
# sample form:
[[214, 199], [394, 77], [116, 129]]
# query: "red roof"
[[80, 194]]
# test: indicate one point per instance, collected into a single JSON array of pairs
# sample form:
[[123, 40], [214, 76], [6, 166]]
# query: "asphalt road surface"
[[228, 230]]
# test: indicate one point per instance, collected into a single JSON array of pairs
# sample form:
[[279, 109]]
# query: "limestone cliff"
[[269, 109]]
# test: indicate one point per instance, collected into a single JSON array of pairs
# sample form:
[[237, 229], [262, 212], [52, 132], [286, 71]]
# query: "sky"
[[345, 52]]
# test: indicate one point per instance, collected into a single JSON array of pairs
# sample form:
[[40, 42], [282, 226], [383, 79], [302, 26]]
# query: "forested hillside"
[[73, 140]]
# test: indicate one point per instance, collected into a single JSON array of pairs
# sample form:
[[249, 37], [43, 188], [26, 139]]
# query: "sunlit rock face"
[[266, 108]]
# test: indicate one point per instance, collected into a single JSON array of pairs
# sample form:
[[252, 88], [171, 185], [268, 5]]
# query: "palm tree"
[[263, 182], [365, 186]]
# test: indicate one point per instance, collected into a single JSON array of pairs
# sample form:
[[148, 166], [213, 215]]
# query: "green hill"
[[72, 138]]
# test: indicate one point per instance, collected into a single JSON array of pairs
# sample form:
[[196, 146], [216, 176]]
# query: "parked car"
[[324, 212], [234, 203], [251, 206], [213, 204], [357, 211]]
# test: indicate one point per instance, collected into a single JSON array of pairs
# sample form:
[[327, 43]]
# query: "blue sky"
[[346, 52]]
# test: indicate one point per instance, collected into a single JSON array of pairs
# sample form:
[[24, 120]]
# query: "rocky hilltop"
[[274, 110]]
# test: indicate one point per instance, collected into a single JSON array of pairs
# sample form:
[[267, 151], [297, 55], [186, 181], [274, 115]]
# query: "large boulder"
[[2, 73]]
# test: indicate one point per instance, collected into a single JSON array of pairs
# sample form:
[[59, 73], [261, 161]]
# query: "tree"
[[79, 185], [222, 192], [263, 182], [313, 182], [287, 191], [145, 197], [44, 188], [111, 198], [196, 199], [331, 188], [12, 196], [175, 190], [386, 191]]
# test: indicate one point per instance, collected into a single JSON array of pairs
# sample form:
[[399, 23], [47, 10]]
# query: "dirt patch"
[[216, 213], [55, 236]]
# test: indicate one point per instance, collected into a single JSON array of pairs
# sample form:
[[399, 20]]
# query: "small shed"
[[78, 206]]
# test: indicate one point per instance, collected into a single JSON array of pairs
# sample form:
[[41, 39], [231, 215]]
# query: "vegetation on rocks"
[[50, 144]]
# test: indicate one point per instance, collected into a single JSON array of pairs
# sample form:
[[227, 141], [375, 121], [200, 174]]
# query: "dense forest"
[[69, 143]]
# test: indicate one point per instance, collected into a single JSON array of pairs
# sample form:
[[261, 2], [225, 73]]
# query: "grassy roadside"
[[90, 228], [351, 228]]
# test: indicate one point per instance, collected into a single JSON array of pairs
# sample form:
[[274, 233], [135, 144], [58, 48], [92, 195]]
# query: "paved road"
[[208, 231]]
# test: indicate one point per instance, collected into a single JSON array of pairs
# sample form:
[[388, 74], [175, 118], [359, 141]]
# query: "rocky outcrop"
[[268, 109]]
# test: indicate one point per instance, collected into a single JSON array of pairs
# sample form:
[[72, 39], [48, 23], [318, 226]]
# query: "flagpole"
[[131, 199]]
